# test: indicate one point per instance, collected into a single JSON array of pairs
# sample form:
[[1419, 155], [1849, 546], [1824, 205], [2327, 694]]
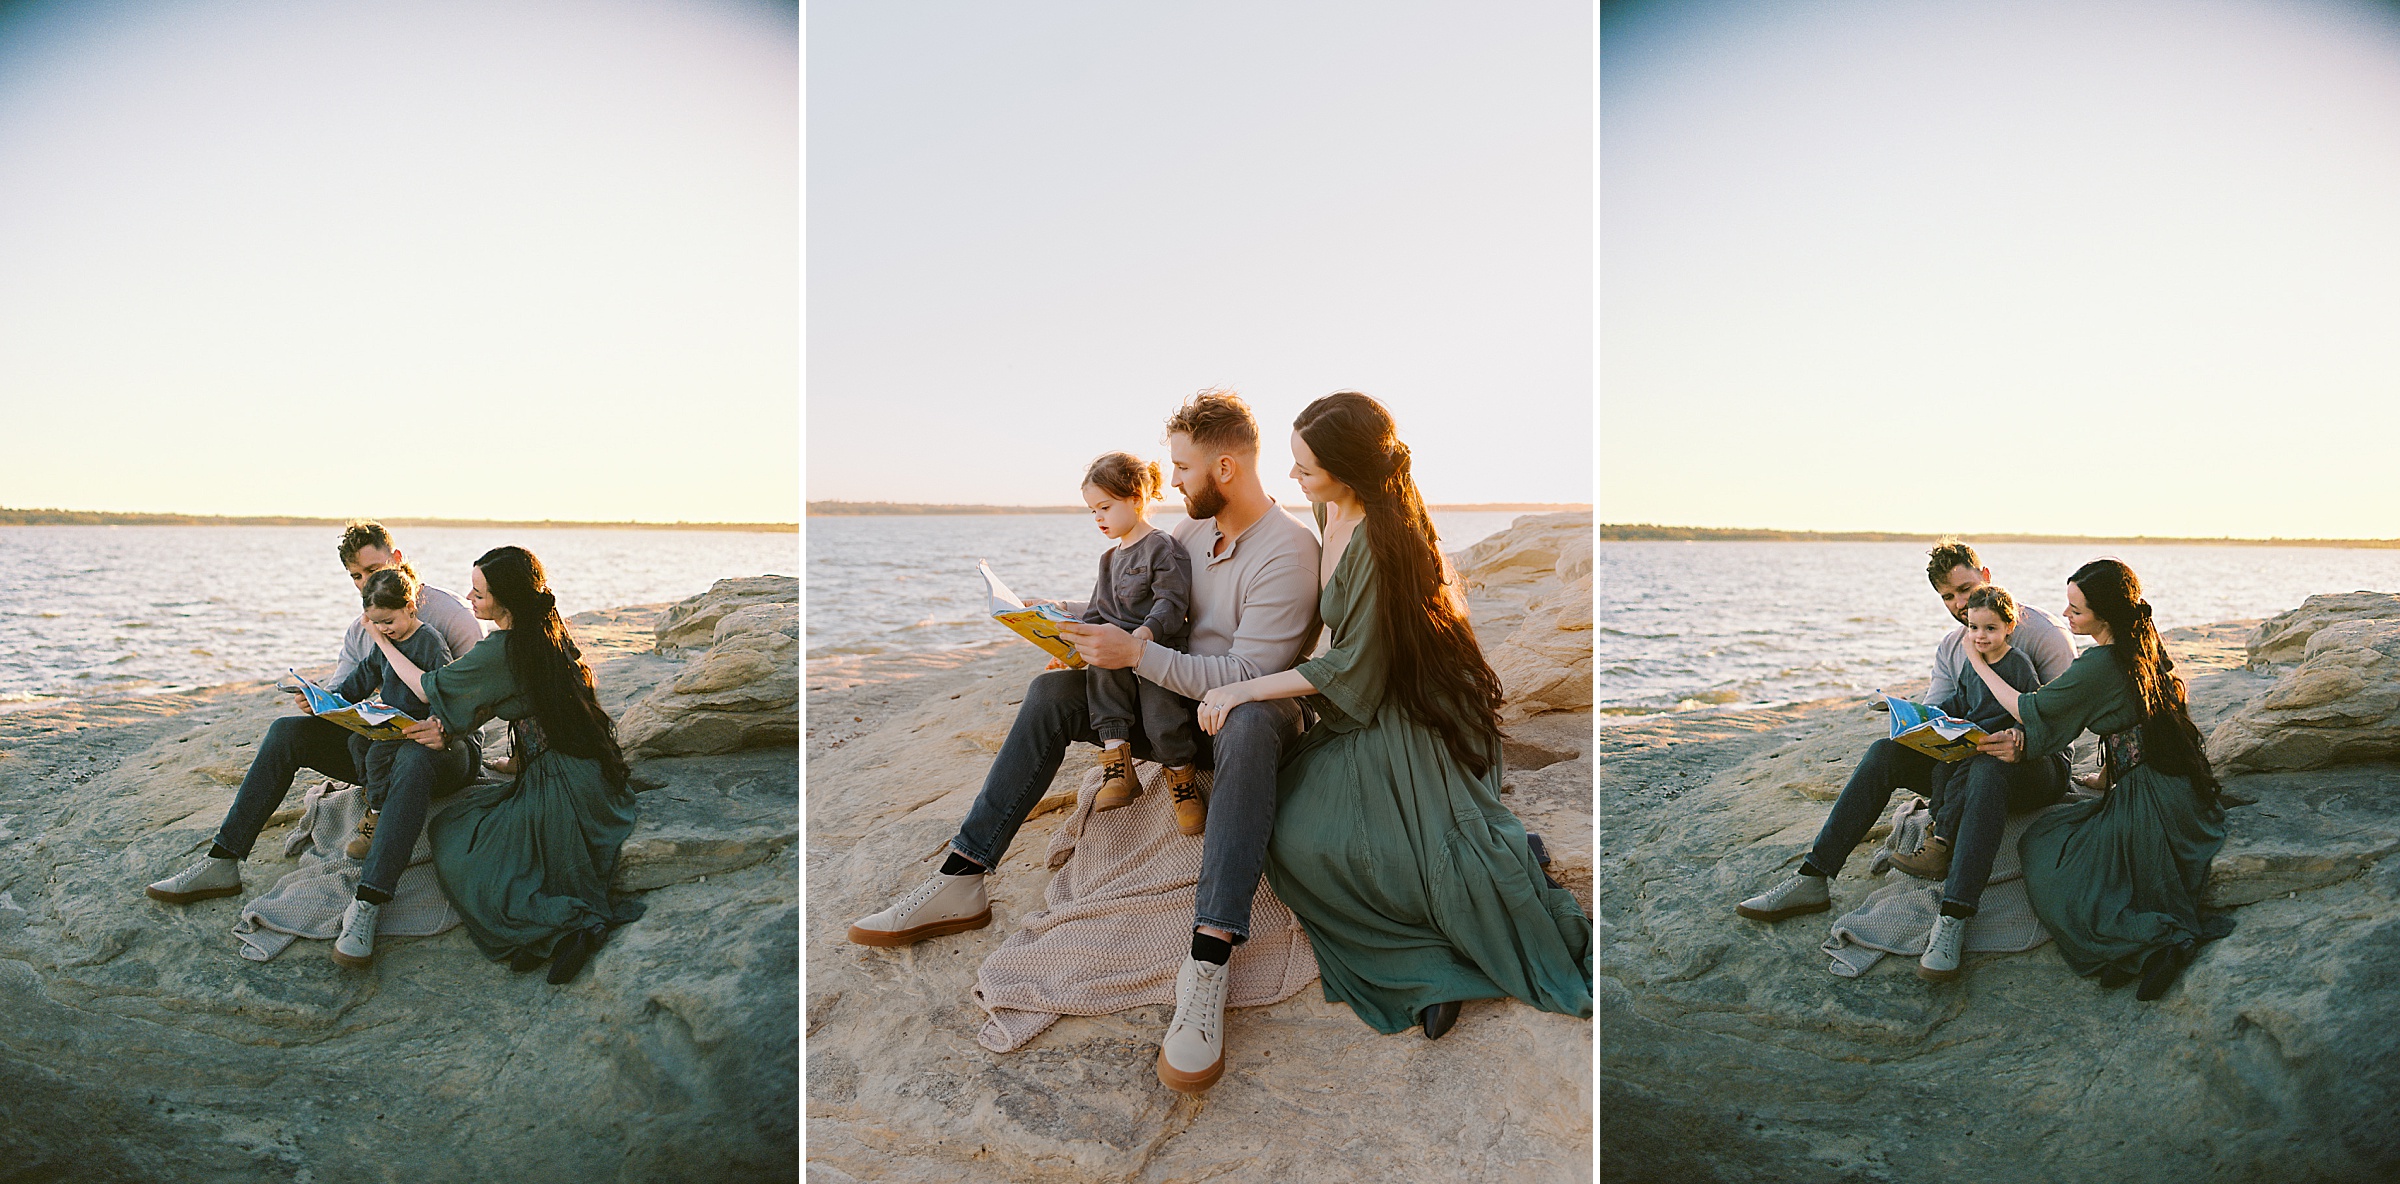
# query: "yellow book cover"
[[370, 719], [1037, 624], [1932, 732]]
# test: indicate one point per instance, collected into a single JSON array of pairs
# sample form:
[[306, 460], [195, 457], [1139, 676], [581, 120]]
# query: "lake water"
[[117, 610], [1687, 625], [878, 584]]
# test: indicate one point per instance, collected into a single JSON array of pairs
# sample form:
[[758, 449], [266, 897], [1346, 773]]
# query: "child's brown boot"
[[1191, 814], [364, 841], [1121, 787]]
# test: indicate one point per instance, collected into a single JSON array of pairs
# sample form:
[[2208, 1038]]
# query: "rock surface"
[[1531, 590], [899, 1090], [136, 1045], [1732, 1054], [744, 692], [2339, 704], [692, 623]]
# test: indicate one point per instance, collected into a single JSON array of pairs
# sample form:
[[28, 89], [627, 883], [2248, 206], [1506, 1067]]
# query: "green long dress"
[[528, 861], [2116, 878], [1414, 882]]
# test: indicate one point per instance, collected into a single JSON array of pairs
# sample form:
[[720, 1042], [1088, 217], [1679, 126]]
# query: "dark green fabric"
[[1415, 884], [529, 861], [2115, 878]]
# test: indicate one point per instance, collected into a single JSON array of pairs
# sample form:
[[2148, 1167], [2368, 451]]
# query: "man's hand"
[[1105, 646], [2008, 746], [427, 732], [302, 700]]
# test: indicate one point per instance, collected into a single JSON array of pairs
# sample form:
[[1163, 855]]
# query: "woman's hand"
[[1220, 702], [427, 732]]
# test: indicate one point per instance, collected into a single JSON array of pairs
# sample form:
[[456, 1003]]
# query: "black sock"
[[1810, 869], [960, 865], [1211, 949], [1951, 908], [374, 895], [219, 851]]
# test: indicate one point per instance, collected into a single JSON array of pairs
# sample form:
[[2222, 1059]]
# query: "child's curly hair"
[[1124, 475], [1995, 598], [389, 587]]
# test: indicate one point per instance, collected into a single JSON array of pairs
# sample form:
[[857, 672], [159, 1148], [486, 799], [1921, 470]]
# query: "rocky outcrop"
[[744, 692], [1531, 590], [137, 1045], [2339, 705], [692, 623], [899, 1090], [2283, 639], [1733, 1054]]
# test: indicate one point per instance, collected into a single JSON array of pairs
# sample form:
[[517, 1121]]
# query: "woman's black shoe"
[[2160, 971], [526, 961], [566, 961], [1438, 1018]]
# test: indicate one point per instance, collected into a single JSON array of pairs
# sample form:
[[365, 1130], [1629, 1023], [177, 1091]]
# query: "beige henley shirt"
[[1254, 607]]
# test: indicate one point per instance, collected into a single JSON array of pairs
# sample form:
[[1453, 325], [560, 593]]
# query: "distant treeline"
[[842, 509], [9, 517], [1645, 532]]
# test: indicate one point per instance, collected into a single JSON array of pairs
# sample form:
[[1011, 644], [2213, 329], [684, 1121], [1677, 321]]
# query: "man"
[[1989, 790], [1254, 610], [304, 741]]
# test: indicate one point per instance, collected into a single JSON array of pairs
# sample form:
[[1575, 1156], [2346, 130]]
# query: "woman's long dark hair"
[[1437, 671], [546, 664], [2169, 739]]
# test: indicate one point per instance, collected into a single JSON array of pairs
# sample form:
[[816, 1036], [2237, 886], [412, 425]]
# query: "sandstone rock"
[[138, 1046], [692, 623], [1733, 1054], [1531, 590], [743, 693], [899, 1090], [2341, 704], [2284, 638]]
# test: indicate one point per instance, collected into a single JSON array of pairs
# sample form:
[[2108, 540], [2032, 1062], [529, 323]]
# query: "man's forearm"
[[1193, 675]]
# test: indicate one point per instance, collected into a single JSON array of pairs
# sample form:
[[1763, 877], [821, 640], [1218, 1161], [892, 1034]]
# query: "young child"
[[1991, 620], [1145, 587], [389, 597]]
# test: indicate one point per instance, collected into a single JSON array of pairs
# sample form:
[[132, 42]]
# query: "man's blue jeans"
[[1245, 755], [1979, 796], [414, 776]]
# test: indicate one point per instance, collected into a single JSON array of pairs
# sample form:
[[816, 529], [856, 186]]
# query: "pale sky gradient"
[[461, 258], [1034, 228], [2066, 267]]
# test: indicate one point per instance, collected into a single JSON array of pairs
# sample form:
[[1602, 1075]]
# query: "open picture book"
[[1037, 624], [1931, 731], [370, 719]]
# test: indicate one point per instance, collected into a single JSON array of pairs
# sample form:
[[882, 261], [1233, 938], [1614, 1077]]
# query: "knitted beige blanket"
[[308, 902], [1898, 917], [1116, 924]]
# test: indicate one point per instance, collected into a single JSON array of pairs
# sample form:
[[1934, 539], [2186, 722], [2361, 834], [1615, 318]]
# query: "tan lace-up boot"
[[1191, 813], [1121, 787]]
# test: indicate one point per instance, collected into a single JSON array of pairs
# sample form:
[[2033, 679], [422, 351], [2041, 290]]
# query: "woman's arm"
[[1220, 702], [2006, 694]]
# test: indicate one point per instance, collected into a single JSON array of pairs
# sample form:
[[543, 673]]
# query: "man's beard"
[[1208, 502]]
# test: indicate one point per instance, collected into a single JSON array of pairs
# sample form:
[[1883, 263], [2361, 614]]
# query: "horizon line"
[[1640, 532], [48, 516]]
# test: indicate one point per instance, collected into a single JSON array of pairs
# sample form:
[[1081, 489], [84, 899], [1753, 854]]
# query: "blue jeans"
[[1977, 797], [1245, 755], [412, 776]]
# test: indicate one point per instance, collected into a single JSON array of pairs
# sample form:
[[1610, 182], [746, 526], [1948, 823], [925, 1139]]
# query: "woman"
[[527, 863], [2117, 879], [1417, 887]]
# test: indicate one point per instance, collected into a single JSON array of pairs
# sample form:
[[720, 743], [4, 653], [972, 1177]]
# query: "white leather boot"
[[943, 904], [1192, 1056]]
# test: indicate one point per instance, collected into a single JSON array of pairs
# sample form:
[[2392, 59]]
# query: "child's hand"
[[1142, 633]]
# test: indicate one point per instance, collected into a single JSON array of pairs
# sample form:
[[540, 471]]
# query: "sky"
[[454, 258], [1034, 229], [2060, 267]]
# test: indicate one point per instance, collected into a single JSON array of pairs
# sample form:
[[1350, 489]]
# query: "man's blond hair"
[[1217, 421]]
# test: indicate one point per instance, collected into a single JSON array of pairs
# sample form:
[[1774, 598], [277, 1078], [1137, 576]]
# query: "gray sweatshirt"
[[1254, 606], [1148, 583]]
